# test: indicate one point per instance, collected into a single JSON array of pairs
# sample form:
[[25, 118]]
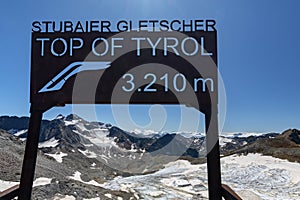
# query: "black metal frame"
[[41, 102]]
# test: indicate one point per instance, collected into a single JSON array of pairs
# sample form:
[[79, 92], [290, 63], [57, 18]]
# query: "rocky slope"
[[80, 158], [52, 175], [284, 146]]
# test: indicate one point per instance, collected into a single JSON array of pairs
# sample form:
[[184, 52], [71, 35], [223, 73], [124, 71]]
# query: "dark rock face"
[[11, 156], [49, 129], [126, 140], [295, 136], [13, 123], [72, 117], [168, 144]]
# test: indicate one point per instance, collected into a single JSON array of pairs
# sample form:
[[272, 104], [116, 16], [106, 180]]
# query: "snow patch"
[[60, 117], [57, 156], [108, 195], [104, 157], [224, 141], [87, 153], [4, 185], [66, 197], [98, 137], [21, 132], [156, 193], [49, 143], [133, 149], [41, 181], [72, 122], [88, 145], [77, 177]]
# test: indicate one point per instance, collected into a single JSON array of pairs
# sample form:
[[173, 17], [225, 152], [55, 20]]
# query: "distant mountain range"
[[100, 151], [71, 131]]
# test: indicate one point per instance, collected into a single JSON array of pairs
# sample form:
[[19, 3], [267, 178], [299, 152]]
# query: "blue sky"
[[258, 45]]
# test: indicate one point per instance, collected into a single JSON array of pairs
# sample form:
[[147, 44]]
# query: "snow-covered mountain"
[[93, 160], [73, 131]]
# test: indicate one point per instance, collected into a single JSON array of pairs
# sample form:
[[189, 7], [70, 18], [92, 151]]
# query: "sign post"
[[132, 67], [30, 155]]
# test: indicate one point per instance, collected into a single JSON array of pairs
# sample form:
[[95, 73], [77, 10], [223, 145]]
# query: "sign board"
[[172, 62], [132, 67]]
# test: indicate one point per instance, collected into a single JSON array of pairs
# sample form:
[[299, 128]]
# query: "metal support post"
[[213, 156], [30, 155]]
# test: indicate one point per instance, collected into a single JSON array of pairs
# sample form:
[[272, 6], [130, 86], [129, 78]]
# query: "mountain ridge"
[[78, 157], [74, 132]]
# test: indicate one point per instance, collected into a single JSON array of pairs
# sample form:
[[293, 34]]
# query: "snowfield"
[[253, 177], [267, 177]]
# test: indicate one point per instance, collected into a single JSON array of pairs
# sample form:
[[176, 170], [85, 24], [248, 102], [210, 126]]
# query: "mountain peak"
[[60, 116], [292, 135], [71, 117]]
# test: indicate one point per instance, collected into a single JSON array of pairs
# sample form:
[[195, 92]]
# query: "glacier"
[[252, 176]]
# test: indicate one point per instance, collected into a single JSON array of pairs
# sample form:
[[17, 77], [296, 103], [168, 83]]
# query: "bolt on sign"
[[101, 62]]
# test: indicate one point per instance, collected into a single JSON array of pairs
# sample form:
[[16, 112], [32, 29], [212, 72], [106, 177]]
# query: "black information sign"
[[92, 67], [87, 63]]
